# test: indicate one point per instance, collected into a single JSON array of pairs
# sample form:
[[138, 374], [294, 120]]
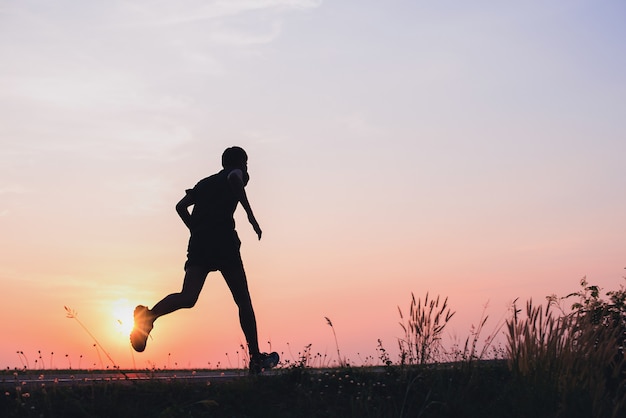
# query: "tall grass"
[[575, 356], [423, 329]]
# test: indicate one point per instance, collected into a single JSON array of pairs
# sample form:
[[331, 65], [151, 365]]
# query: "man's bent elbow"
[[181, 209]]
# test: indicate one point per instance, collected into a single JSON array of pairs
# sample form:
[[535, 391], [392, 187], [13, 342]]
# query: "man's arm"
[[182, 208], [235, 179]]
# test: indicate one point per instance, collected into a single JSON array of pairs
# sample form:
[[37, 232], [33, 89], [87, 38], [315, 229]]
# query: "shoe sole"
[[139, 336]]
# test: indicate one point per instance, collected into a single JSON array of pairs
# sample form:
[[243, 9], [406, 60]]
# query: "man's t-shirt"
[[214, 204]]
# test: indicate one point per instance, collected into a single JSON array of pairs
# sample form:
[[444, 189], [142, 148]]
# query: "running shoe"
[[142, 328], [262, 362]]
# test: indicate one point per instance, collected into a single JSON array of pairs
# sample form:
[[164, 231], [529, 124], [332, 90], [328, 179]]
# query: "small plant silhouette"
[[23, 358], [72, 314], [342, 363]]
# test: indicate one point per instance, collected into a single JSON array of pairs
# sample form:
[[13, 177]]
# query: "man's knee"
[[188, 301], [244, 304]]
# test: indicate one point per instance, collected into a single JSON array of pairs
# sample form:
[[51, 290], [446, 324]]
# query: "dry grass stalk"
[[423, 330]]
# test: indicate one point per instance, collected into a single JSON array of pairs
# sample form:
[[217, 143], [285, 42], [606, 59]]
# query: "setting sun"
[[123, 316]]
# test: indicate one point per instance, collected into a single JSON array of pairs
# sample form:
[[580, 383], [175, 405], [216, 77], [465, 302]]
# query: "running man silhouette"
[[213, 245]]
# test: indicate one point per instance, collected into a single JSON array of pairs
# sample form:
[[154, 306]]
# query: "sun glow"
[[123, 316]]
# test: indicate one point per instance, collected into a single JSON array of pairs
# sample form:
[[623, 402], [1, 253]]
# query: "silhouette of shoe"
[[142, 328], [263, 361]]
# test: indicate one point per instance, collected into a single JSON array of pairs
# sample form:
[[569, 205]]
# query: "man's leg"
[[235, 277], [144, 317], [195, 277]]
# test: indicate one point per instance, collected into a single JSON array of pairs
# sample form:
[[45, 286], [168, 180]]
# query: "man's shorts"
[[214, 251]]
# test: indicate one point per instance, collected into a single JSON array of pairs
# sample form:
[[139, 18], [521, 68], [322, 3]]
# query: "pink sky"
[[475, 153]]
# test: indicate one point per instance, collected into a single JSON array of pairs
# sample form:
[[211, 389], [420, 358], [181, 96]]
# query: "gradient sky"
[[473, 150]]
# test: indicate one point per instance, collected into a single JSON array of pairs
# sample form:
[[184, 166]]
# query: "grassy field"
[[555, 364], [360, 392], [481, 389]]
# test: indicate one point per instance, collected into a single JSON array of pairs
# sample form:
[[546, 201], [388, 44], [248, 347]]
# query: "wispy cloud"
[[8, 190], [81, 90], [181, 12], [144, 195], [119, 54], [220, 23], [12, 189], [225, 35], [360, 126]]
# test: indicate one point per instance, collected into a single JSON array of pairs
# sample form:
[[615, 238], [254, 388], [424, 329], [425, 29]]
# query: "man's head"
[[234, 157]]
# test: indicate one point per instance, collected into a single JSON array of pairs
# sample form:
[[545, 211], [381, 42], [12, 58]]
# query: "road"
[[33, 378]]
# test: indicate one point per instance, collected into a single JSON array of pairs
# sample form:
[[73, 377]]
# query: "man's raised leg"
[[186, 298]]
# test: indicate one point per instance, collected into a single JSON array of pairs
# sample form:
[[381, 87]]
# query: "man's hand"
[[255, 225]]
